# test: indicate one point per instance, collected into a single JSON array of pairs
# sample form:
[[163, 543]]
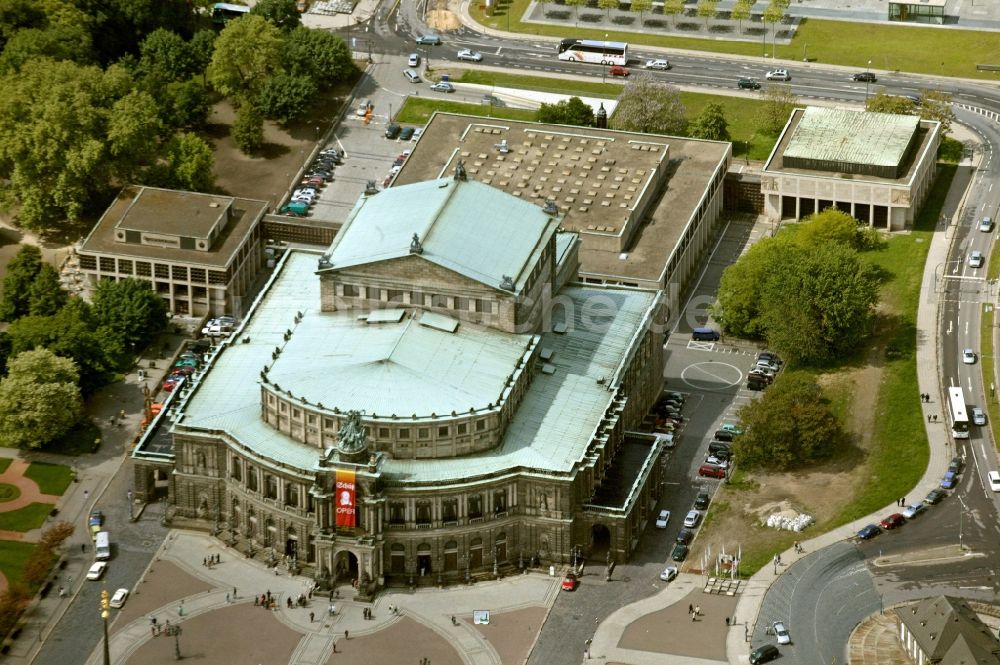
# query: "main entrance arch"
[[600, 542], [345, 566]]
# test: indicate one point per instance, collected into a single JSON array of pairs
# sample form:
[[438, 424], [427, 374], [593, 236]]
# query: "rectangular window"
[[328, 423], [423, 512], [449, 510], [439, 301], [397, 513], [484, 306], [481, 425], [179, 272], [444, 431], [462, 304], [198, 275], [311, 419], [383, 432], [475, 506], [125, 266], [404, 433], [351, 290], [295, 413], [161, 271], [107, 264], [395, 296], [463, 428], [142, 268], [423, 432], [282, 407]]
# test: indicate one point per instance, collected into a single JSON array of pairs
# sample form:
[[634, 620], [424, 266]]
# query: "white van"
[[411, 76], [102, 546]]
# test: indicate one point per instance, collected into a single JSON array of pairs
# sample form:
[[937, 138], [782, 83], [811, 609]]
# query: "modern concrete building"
[[876, 167], [202, 252], [943, 630], [646, 207], [429, 399]]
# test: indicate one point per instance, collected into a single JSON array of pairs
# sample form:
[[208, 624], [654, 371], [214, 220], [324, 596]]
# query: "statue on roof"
[[507, 283], [352, 437], [460, 170], [415, 246]]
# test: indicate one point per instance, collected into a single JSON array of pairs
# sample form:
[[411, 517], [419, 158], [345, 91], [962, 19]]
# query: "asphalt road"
[[133, 545], [820, 598]]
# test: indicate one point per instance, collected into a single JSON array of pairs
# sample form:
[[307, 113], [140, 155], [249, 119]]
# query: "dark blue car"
[[869, 532], [949, 480]]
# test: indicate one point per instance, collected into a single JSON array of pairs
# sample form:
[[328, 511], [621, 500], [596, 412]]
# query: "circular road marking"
[[712, 376]]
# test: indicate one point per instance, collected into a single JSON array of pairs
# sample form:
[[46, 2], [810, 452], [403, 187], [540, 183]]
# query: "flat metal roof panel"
[[856, 137]]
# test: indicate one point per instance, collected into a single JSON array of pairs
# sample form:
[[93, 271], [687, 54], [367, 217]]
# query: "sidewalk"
[[93, 474], [447, 613]]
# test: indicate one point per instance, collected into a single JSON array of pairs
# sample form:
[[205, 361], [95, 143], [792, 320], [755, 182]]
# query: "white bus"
[[102, 546], [959, 418], [594, 51]]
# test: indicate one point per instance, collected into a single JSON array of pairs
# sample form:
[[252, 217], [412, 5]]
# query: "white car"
[[96, 571], [443, 86], [978, 416], [717, 461], [119, 598], [781, 633], [662, 65], [994, 479], [661, 521], [778, 75], [969, 357], [469, 54], [413, 60], [986, 225], [692, 518], [976, 259], [363, 108], [669, 573]]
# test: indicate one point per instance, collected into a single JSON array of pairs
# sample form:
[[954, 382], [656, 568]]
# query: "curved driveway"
[[820, 598]]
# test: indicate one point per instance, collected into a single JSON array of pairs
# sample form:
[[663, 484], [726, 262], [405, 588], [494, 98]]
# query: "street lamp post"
[[604, 60], [868, 80], [105, 604]]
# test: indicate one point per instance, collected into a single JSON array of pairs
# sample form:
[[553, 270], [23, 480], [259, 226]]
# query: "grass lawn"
[[418, 110], [13, 557], [913, 48], [900, 450], [30, 517], [51, 478], [8, 492], [4, 463], [988, 358]]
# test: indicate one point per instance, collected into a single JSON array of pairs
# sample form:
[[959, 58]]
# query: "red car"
[[618, 70], [892, 521], [569, 582]]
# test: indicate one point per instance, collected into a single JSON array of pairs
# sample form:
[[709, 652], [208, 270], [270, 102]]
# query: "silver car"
[[978, 416], [661, 64], [469, 54]]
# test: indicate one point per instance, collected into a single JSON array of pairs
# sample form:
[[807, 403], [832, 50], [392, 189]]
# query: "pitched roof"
[[465, 226], [949, 632]]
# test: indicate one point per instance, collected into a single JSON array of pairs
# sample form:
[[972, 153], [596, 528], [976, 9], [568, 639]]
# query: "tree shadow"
[[623, 20]]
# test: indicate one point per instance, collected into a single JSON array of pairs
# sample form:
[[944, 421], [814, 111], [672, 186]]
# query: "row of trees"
[[16, 597], [835, 290], [58, 350], [706, 9], [99, 93], [930, 105]]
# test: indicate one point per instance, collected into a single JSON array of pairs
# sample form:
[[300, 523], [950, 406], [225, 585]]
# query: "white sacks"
[[787, 523]]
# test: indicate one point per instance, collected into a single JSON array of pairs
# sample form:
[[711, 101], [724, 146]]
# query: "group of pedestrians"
[[210, 560], [694, 611], [901, 501], [265, 600]]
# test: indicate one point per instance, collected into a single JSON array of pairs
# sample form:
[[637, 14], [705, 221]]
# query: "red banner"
[[345, 498]]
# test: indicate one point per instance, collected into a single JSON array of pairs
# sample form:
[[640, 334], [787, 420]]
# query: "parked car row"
[[316, 176], [763, 372], [186, 365], [691, 521], [896, 520]]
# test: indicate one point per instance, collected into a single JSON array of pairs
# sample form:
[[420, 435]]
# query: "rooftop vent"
[[371, 189], [550, 207], [502, 146]]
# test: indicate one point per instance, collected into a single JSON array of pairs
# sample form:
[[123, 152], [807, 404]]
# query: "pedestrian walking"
[[727, 622], [312, 617], [928, 417], [904, 501], [697, 610], [83, 547], [935, 417], [234, 593], [346, 635], [227, 596], [690, 609]]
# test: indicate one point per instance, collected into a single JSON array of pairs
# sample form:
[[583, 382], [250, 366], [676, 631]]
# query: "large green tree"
[[190, 163], [741, 12], [738, 307], [791, 426], [711, 124], [247, 53], [883, 102], [39, 399], [71, 333], [165, 56], [672, 8], [936, 105], [248, 129], [707, 9], [572, 111], [21, 272], [46, 295], [775, 108], [319, 55], [651, 106], [282, 14], [63, 135], [641, 7], [285, 98], [129, 312], [608, 5], [835, 294]]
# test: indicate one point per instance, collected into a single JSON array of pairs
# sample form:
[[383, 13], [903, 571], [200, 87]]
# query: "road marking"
[[950, 324]]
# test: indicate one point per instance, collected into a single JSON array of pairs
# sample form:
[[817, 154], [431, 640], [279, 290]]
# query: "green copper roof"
[[465, 226], [852, 137]]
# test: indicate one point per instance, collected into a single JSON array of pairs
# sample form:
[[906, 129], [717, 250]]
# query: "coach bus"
[[959, 418], [223, 12], [594, 51]]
